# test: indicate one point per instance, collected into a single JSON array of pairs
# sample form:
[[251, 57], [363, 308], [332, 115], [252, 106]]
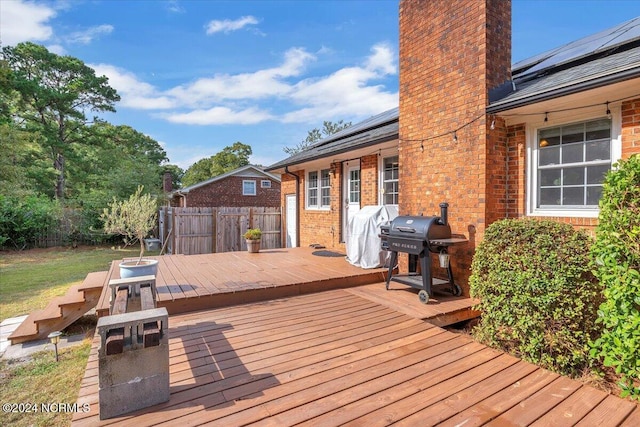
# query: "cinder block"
[[138, 376]]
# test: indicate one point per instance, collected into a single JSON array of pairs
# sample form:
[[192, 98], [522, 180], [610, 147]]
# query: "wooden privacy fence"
[[191, 231]]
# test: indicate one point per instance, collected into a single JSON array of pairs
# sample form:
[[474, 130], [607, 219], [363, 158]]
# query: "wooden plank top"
[[335, 358]]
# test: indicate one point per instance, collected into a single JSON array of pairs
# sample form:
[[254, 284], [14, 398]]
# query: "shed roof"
[[241, 171], [601, 59]]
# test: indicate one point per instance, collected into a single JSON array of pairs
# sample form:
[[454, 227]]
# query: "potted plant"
[[134, 219], [253, 236]]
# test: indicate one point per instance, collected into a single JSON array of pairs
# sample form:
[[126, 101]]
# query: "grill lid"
[[419, 228]]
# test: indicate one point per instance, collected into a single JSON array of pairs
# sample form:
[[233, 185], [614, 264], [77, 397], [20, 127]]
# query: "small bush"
[[133, 218], [253, 234], [537, 296], [616, 255]]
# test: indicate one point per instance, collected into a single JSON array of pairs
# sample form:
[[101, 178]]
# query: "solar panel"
[[595, 43]]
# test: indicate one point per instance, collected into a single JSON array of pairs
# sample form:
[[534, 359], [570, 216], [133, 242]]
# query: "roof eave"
[[381, 140], [566, 90]]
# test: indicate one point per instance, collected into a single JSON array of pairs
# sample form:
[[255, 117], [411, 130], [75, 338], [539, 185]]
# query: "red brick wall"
[[630, 128], [516, 170], [322, 226], [228, 192], [325, 226], [369, 180], [451, 54]]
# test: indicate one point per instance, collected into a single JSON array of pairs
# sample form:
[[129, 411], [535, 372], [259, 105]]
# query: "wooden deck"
[[194, 282], [443, 308], [335, 358], [197, 282]]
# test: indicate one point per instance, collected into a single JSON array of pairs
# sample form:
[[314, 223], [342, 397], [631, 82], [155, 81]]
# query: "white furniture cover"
[[362, 239]]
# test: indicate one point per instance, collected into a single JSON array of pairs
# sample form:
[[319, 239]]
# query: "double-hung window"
[[248, 187], [390, 175], [570, 164], [319, 189]]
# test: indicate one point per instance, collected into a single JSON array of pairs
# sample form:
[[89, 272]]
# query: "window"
[[354, 186], [319, 189], [570, 163], [248, 188], [390, 171], [265, 183], [325, 188]]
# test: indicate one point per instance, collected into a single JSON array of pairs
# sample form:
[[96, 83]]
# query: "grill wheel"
[[424, 296]]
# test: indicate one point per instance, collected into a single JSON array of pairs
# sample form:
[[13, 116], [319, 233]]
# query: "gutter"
[[297, 178], [564, 91]]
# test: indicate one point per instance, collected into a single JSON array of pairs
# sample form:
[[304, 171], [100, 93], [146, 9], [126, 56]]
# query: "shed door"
[[292, 214], [351, 193]]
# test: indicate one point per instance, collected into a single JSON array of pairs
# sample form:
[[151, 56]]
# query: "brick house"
[[246, 186], [494, 140]]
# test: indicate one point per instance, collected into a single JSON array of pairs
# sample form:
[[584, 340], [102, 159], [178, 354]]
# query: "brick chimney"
[[167, 182], [451, 54]]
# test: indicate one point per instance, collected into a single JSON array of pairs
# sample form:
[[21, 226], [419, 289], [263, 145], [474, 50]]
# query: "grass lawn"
[[46, 386], [30, 279]]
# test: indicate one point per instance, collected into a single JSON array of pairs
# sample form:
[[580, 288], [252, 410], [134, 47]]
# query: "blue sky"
[[198, 76]]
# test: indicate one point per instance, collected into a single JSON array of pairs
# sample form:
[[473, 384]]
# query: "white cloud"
[[228, 25], [87, 36], [350, 92], [25, 21], [134, 93], [174, 6], [57, 49], [270, 82], [347, 92], [382, 60], [219, 116]]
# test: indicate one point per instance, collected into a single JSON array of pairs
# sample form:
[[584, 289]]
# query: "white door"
[[292, 215], [351, 193]]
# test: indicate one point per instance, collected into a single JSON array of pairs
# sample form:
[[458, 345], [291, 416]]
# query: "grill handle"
[[406, 229]]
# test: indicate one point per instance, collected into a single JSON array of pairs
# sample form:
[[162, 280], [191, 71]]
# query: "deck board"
[[335, 358], [443, 308]]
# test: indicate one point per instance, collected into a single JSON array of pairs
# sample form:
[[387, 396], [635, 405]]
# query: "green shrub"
[[616, 255], [253, 234], [537, 295], [23, 220]]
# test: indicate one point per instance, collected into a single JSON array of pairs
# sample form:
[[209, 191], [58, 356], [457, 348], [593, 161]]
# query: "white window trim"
[[255, 189], [532, 156], [383, 156], [319, 206], [265, 183]]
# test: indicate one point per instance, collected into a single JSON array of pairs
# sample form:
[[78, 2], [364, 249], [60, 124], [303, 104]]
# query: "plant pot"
[[146, 267], [253, 246]]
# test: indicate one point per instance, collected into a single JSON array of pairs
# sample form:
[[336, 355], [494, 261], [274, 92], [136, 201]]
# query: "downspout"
[[286, 170]]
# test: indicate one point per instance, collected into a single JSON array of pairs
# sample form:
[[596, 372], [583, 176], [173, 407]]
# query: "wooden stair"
[[61, 311]]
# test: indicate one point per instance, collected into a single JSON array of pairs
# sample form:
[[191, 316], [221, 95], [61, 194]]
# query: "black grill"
[[419, 236]]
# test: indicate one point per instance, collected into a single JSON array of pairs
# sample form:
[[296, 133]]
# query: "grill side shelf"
[[415, 280]]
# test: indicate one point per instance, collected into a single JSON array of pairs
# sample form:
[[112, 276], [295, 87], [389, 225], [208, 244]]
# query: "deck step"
[[94, 280], [61, 311], [27, 331]]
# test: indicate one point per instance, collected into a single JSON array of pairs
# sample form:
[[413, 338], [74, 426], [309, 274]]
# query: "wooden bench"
[[133, 358], [115, 340]]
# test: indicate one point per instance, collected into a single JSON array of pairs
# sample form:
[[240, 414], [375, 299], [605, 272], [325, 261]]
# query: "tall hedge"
[[537, 295], [616, 255], [24, 220]]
